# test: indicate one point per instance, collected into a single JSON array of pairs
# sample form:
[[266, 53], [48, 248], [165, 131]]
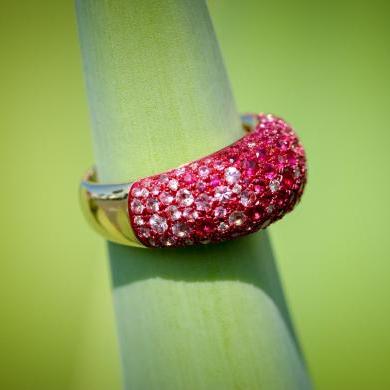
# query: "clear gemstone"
[[219, 166], [147, 183], [180, 171], [297, 173], [232, 175], [203, 171], [190, 214], [274, 185], [270, 209], [173, 184], [222, 193], [220, 212], [222, 227], [174, 212], [144, 232], [237, 188], [194, 165], [136, 206], [158, 224], [203, 202], [166, 198], [251, 145], [237, 218], [184, 197], [247, 198], [155, 191], [152, 204], [140, 192], [138, 220], [180, 229]]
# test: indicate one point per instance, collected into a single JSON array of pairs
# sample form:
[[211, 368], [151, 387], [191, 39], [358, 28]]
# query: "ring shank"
[[105, 206]]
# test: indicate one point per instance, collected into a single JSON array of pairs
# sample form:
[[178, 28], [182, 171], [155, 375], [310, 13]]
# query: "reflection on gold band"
[[106, 209]]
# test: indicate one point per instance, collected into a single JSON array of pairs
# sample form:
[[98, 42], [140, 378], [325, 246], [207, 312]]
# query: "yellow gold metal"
[[105, 207]]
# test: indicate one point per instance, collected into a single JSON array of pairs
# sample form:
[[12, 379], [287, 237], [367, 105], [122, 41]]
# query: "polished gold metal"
[[105, 206]]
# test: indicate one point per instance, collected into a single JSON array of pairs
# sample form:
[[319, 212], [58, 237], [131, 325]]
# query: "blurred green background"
[[323, 65]]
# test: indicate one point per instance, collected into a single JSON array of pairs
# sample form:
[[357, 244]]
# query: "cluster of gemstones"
[[233, 192]]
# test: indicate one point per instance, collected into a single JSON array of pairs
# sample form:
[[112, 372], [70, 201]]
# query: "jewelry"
[[233, 192]]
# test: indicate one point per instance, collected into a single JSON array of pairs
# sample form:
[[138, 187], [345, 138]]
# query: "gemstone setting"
[[235, 191]]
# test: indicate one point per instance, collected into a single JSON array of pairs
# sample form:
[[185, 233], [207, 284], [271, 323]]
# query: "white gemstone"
[[136, 206], [218, 165], [152, 204], [203, 202], [237, 218], [247, 198], [222, 227], [155, 191], [190, 214], [270, 209], [297, 173], [180, 229], [251, 144], [144, 232], [173, 184], [174, 212], [274, 185], [180, 171], [232, 175], [166, 198], [204, 171], [158, 224], [140, 192], [220, 212], [222, 193], [147, 183], [138, 220], [184, 197], [237, 188]]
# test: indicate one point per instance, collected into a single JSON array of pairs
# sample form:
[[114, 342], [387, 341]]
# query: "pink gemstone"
[[189, 178], [165, 198], [215, 181], [152, 204], [232, 192], [258, 188], [254, 215], [203, 202]]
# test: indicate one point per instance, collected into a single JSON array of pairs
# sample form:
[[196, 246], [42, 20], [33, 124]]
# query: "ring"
[[233, 192]]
